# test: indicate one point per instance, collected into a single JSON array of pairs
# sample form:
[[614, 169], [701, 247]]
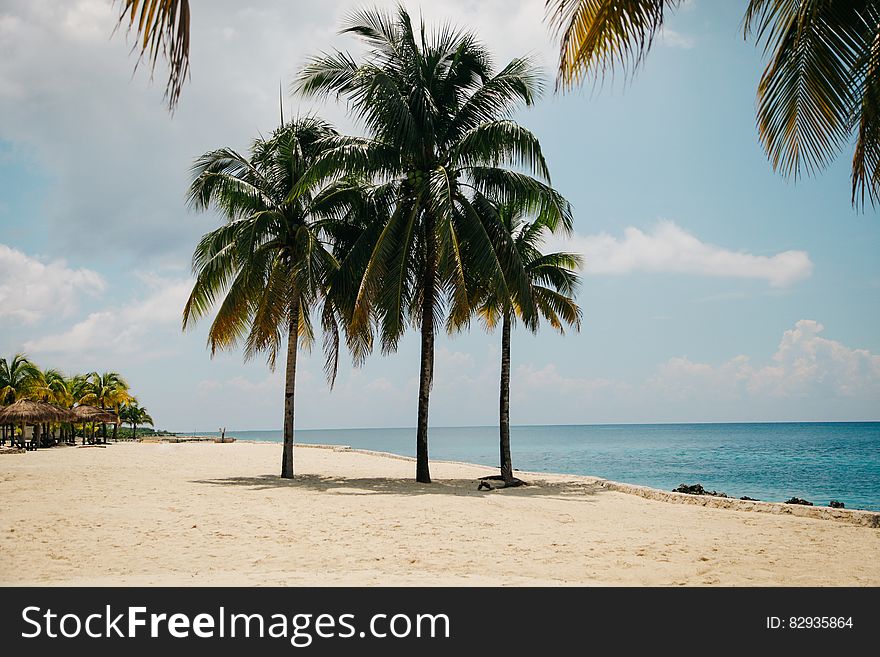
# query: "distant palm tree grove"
[[106, 395]]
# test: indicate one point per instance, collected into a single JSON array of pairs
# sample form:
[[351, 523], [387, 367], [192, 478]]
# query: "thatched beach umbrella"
[[86, 413], [25, 412]]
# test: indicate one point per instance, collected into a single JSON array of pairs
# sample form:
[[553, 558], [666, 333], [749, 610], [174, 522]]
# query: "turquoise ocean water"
[[768, 461]]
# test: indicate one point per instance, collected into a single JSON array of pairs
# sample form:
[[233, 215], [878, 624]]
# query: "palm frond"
[[161, 28], [597, 36], [805, 97]]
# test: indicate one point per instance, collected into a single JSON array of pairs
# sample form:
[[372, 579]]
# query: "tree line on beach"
[[436, 215], [21, 379]]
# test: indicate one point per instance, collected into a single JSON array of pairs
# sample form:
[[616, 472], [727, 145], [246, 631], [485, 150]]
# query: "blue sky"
[[715, 290]]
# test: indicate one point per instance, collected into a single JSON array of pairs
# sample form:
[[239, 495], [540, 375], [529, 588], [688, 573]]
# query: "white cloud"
[[809, 377], [137, 329], [804, 366], [31, 289], [808, 364], [118, 163], [670, 248], [527, 379]]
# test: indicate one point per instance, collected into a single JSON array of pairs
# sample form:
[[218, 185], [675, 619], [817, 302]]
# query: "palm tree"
[[552, 280], [18, 377], [107, 391], [161, 27], [268, 262], [52, 386], [437, 118], [135, 415], [820, 88]]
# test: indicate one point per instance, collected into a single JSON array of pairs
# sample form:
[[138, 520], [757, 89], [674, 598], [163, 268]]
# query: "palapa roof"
[[26, 411], [86, 413]]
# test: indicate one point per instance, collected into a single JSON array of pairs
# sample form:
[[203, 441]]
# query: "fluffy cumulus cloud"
[[32, 289], [669, 248], [809, 377], [806, 365], [136, 330]]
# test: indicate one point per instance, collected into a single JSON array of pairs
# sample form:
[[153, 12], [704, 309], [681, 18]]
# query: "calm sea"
[[775, 461]]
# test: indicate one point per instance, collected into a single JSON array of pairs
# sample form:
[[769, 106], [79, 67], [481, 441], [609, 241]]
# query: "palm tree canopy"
[[161, 27], [54, 387], [18, 377], [272, 246], [820, 89], [598, 35], [821, 86], [552, 277], [437, 115], [107, 390], [135, 414]]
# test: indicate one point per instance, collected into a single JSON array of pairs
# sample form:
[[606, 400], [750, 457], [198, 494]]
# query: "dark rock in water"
[[750, 499], [697, 489], [834, 504], [797, 500]]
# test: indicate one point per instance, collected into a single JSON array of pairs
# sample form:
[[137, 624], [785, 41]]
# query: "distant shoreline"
[[820, 462], [860, 517]]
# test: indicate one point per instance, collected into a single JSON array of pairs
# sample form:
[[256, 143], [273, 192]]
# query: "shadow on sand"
[[571, 490]]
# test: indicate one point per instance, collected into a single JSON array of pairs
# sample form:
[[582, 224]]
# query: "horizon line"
[[588, 424]]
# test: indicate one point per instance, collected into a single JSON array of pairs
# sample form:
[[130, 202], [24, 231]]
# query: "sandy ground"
[[156, 514]]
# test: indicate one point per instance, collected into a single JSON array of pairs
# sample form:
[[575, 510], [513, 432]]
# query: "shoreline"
[[859, 517], [210, 514]]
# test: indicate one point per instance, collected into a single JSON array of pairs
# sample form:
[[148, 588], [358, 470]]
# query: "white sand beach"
[[211, 514]]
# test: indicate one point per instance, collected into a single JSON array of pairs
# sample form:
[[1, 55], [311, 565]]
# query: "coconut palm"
[[552, 280], [437, 118], [18, 377], [135, 415], [52, 386], [269, 260], [820, 89], [78, 386], [107, 391]]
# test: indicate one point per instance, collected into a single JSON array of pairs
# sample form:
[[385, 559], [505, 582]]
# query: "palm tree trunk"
[[426, 370], [289, 389], [103, 427], [504, 415]]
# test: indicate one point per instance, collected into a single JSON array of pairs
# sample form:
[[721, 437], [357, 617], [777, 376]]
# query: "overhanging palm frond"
[[866, 159], [806, 96], [161, 27], [598, 35]]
